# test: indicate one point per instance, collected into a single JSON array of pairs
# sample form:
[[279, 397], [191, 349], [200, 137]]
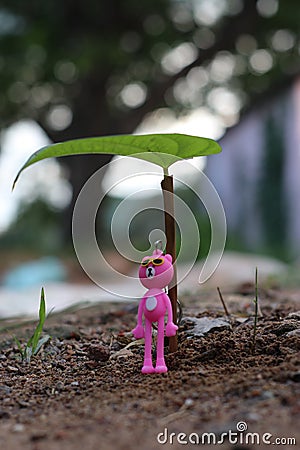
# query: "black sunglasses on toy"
[[155, 262]]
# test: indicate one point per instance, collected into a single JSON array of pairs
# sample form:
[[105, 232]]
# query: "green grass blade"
[[22, 352], [41, 342], [160, 149], [28, 354], [42, 317], [35, 342]]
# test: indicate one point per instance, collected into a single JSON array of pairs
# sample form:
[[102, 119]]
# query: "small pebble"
[[60, 386], [253, 417], [267, 394], [99, 352], [38, 436], [294, 332], [4, 414], [294, 315], [189, 402], [255, 392], [61, 435], [18, 428], [5, 389], [12, 369], [295, 377]]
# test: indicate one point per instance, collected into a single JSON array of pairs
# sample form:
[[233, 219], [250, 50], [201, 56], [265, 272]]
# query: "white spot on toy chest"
[[151, 303]]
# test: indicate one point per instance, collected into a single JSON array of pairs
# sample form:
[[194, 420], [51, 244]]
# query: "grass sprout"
[[255, 301], [36, 341], [225, 307]]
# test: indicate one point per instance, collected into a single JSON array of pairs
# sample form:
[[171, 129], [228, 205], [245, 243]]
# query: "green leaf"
[[160, 149]]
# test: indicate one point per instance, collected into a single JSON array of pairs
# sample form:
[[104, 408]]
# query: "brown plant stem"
[[224, 306], [168, 195]]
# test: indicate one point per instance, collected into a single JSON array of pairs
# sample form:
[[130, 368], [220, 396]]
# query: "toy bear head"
[[156, 271]]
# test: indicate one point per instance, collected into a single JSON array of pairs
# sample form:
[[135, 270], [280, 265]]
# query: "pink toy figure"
[[155, 273]]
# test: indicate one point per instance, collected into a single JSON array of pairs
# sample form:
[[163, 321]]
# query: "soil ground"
[[84, 390]]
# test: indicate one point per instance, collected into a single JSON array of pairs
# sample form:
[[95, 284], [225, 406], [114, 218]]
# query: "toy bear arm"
[[171, 328]]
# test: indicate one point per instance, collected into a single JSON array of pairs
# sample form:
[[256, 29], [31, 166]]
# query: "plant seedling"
[[255, 301], [160, 149], [36, 342], [225, 307]]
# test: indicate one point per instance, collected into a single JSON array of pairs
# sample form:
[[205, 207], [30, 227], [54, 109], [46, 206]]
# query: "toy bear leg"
[[148, 366], [160, 359]]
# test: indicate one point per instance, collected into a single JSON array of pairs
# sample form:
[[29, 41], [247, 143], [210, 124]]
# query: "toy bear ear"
[[146, 258], [168, 257]]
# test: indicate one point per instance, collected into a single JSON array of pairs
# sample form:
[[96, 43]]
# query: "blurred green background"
[[75, 69]]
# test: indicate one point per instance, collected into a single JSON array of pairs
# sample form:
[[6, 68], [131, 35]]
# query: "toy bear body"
[[155, 304], [155, 273]]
